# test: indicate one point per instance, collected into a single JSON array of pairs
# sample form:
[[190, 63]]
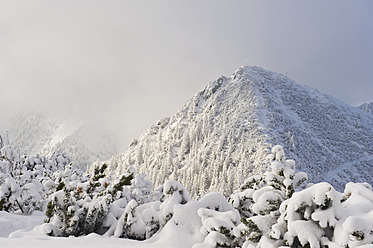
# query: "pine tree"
[[152, 222], [260, 197], [308, 216], [218, 227], [129, 222], [174, 193]]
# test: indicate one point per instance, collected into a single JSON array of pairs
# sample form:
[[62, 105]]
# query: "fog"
[[123, 65]]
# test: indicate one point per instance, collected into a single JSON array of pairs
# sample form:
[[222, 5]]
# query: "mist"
[[120, 66]]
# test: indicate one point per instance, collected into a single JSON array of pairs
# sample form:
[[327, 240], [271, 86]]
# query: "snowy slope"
[[39, 134], [30, 133], [13, 222], [367, 107], [223, 133]]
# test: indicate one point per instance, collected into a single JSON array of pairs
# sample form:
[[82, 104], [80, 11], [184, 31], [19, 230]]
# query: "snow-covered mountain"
[[367, 107], [40, 134], [224, 133]]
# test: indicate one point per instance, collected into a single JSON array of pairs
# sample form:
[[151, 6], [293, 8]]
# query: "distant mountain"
[[367, 107], [224, 133], [40, 134]]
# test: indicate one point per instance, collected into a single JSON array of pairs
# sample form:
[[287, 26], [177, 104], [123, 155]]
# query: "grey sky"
[[122, 65]]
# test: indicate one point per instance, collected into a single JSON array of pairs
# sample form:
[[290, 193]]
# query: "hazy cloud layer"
[[122, 65]]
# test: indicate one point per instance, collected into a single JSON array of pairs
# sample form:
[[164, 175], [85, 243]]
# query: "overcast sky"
[[123, 65]]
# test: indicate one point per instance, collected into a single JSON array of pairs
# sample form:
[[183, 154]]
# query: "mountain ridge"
[[367, 107], [40, 134]]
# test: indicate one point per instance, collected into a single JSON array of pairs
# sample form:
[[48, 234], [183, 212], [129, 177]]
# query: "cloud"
[[123, 65]]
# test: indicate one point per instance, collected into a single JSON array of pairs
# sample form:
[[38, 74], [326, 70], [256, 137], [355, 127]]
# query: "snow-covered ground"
[[10, 223], [182, 230], [269, 211], [25, 231]]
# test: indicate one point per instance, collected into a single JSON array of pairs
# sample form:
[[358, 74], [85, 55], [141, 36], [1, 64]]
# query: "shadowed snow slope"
[[224, 133], [39, 134]]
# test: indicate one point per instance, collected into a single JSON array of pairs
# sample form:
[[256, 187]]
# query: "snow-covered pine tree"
[[218, 228], [99, 205], [152, 222], [32, 193], [79, 205], [21, 187], [97, 212], [260, 197], [174, 193], [355, 226], [8, 186], [9, 190], [308, 218], [218, 220], [143, 218], [130, 224], [69, 212]]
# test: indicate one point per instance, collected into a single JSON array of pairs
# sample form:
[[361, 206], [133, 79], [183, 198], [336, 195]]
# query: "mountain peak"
[[225, 132]]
